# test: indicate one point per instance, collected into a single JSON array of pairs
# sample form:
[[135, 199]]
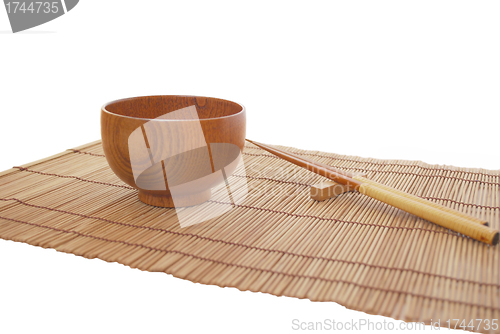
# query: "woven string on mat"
[[352, 250]]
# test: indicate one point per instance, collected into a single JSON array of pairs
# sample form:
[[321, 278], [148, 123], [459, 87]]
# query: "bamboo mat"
[[353, 250]]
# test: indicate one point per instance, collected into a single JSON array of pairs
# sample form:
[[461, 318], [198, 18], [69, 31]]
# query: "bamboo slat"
[[353, 250]]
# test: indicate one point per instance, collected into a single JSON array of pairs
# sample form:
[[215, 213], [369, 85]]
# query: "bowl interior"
[[152, 107]]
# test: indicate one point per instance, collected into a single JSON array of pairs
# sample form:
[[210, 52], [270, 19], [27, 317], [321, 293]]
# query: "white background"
[[413, 80]]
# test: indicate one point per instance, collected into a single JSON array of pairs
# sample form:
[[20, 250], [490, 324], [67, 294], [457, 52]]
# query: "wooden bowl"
[[173, 149]]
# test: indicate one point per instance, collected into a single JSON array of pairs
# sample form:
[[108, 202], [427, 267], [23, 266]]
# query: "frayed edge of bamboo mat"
[[352, 250]]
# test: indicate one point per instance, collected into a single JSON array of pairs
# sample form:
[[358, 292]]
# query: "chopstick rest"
[[326, 190]]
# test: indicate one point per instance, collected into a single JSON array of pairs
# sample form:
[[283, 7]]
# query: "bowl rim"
[[103, 109]]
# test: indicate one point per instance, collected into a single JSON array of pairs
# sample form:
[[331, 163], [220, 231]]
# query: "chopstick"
[[433, 212]]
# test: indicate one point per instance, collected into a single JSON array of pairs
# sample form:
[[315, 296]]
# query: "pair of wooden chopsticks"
[[433, 212]]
